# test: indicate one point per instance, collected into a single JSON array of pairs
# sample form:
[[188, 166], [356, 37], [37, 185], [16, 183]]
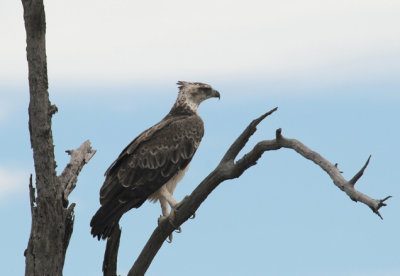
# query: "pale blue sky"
[[332, 69]]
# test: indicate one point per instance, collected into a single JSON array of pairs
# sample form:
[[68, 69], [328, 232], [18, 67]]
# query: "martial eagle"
[[151, 166]]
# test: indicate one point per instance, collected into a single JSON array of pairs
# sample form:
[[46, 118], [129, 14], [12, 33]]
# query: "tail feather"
[[106, 219], [109, 214]]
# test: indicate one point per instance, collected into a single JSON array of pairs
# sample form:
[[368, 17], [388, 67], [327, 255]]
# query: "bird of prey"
[[151, 166]]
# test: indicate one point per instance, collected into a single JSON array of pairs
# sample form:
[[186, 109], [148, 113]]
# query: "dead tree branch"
[[111, 253], [229, 169], [52, 218], [79, 157], [333, 172]]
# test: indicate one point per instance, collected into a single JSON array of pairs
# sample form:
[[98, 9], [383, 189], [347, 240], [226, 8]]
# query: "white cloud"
[[141, 40], [12, 181]]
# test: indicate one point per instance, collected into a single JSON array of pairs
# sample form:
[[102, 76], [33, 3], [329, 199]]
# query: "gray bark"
[[52, 216]]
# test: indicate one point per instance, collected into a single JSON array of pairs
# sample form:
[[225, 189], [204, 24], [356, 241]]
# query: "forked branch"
[[79, 157], [228, 169], [52, 216]]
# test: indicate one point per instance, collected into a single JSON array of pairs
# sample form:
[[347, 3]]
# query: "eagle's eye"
[[205, 89]]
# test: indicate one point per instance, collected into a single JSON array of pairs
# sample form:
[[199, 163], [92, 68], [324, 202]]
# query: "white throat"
[[186, 101]]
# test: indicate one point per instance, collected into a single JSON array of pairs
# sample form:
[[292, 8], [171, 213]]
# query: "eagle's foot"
[[177, 229], [161, 219], [175, 209]]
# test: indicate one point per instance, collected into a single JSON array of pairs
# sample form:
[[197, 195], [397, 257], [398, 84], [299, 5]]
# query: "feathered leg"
[[164, 207], [166, 198], [164, 193]]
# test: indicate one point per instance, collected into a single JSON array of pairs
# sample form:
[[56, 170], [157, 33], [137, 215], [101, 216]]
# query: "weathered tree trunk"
[[48, 240], [52, 218]]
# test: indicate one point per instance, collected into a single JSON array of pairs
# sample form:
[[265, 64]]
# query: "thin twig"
[[360, 173]]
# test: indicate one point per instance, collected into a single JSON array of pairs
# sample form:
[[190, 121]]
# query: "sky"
[[330, 66]]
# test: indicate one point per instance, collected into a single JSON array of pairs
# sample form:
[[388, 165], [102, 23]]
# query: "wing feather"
[[150, 160], [146, 164]]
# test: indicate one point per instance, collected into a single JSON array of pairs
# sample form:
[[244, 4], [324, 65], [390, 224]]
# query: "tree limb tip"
[[53, 109], [360, 173], [241, 141], [278, 133], [79, 157], [381, 203], [89, 150], [255, 122]]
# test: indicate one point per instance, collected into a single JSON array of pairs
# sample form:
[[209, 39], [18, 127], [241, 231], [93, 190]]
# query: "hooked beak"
[[215, 94]]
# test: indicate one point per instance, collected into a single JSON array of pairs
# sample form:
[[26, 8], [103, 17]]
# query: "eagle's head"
[[191, 94]]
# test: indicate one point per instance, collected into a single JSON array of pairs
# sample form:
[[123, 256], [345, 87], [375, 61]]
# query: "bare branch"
[[241, 141], [79, 157], [111, 253], [380, 204], [228, 169], [53, 109], [360, 173], [333, 172], [151, 248]]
